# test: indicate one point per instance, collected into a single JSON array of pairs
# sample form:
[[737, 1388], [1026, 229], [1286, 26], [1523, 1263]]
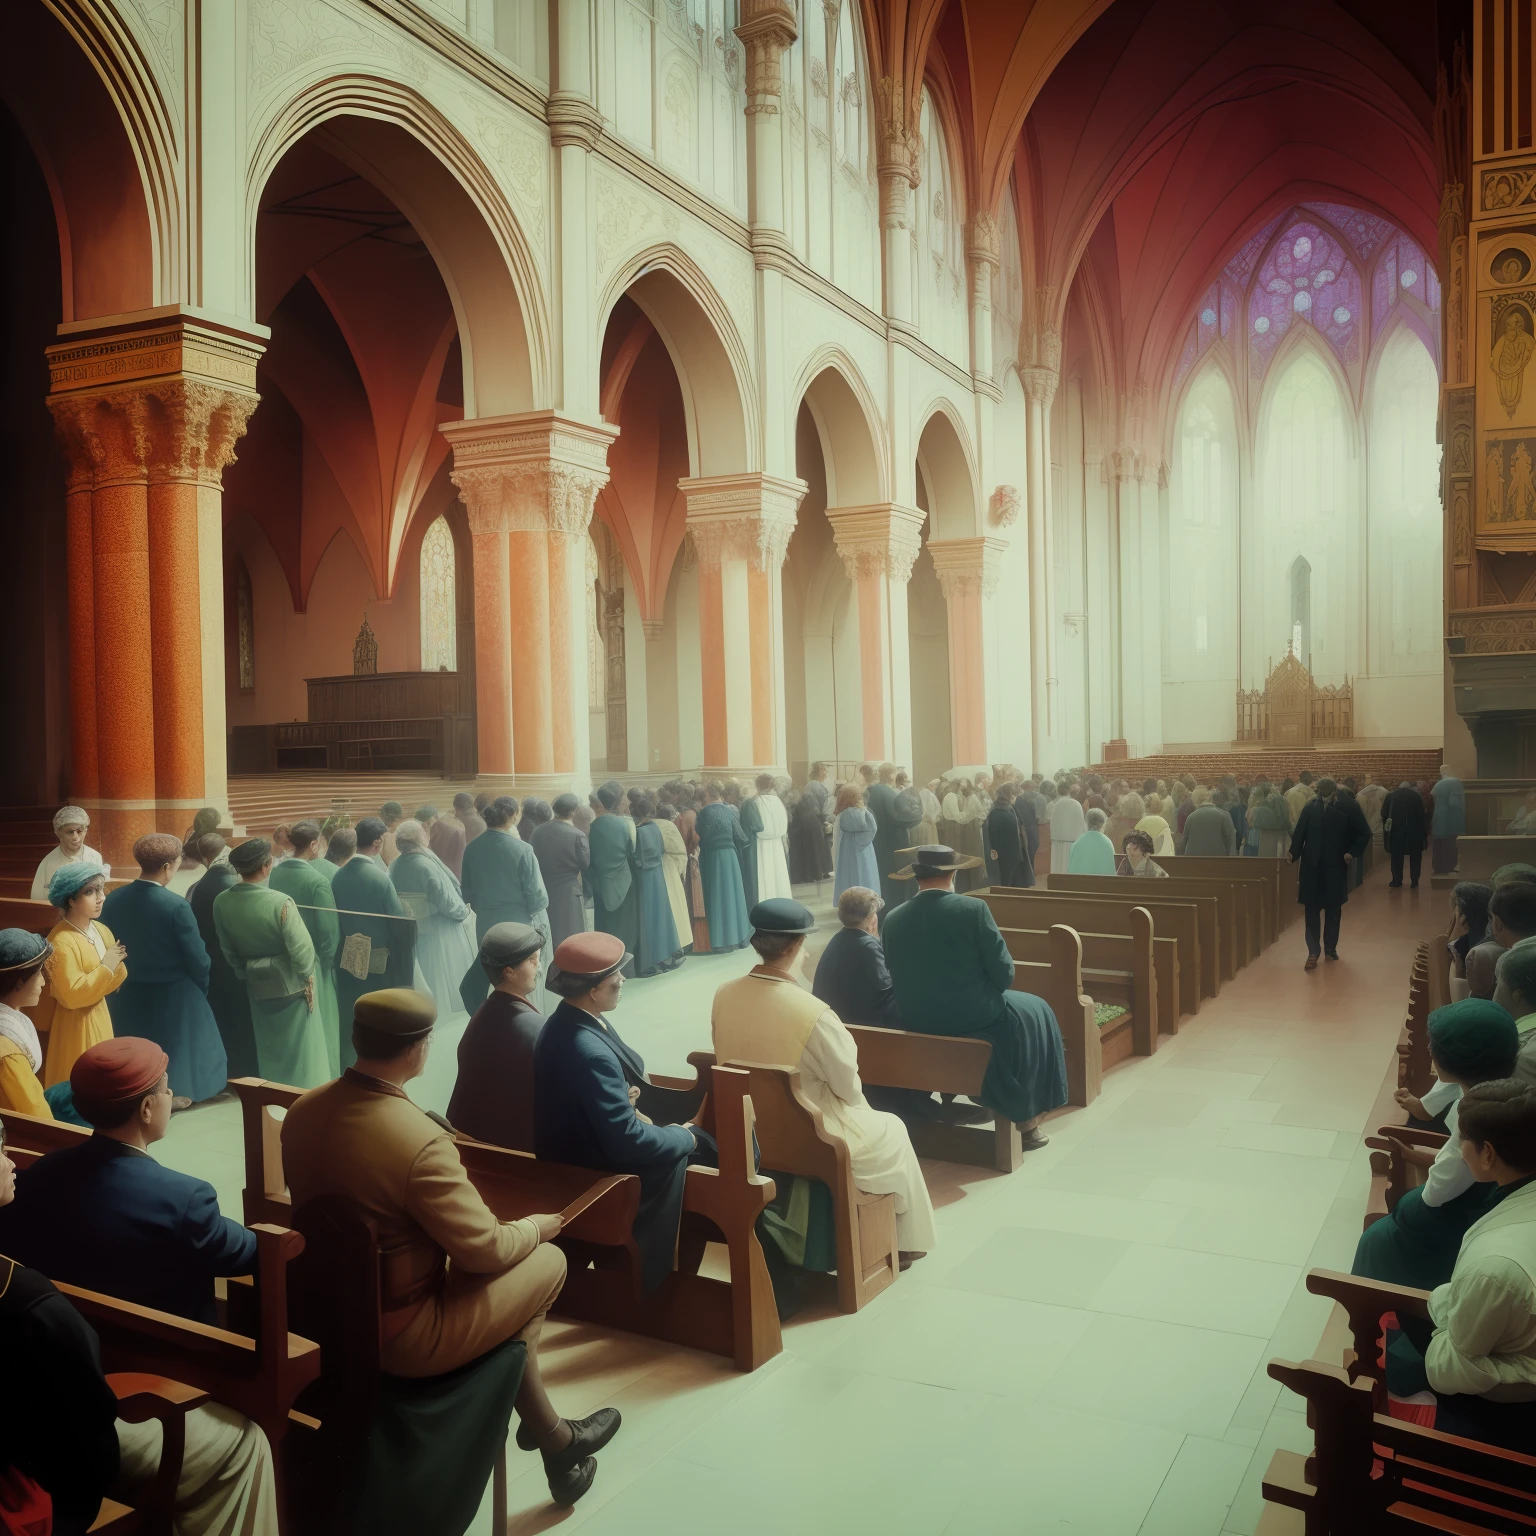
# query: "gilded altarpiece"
[[1504, 513]]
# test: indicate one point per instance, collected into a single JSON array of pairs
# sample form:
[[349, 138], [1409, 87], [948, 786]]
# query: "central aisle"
[[1085, 1352]]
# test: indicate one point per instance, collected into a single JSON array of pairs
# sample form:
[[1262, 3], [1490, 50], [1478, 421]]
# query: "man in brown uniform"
[[456, 1282]]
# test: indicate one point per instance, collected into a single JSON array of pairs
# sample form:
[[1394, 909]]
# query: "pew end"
[[1364, 1302]]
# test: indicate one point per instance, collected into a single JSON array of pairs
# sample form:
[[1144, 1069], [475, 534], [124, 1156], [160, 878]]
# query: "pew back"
[[1230, 904], [1272, 882]]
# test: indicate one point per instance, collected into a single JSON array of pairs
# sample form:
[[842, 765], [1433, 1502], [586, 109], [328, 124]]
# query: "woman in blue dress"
[[659, 946], [856, 864]]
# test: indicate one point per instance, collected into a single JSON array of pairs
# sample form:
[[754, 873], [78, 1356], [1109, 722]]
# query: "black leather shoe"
[[1332, 954], [1032, 1141], [568, 1486], [588, 1436], [1395, 885]]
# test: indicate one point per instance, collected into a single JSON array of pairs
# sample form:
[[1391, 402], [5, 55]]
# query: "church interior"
[[807, 485]]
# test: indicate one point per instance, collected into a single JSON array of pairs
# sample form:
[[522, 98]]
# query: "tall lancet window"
[[439, 600], [1301, 609]]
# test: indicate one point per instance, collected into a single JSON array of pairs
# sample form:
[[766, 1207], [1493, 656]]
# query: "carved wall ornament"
[[879, 540], [365, 650], [1509, 482], [1496, 634], [1510, 187], [748, 517], [768, 28], [1005, 504], [1461, 525], [1456, 312]]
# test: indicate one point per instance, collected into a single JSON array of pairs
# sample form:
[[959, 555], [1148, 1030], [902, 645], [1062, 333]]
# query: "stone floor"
[[1085, 1350]]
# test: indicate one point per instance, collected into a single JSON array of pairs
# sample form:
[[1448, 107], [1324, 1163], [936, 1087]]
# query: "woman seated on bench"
[[1470, 1042], [1478, 1352], [1138, 857]]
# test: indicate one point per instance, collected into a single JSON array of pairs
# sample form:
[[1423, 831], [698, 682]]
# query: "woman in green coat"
[[307, 878]]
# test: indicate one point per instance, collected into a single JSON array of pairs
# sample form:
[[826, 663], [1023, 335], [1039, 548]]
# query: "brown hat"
[[117, 1070], [934, 859], [583, 960], [397, 1011]]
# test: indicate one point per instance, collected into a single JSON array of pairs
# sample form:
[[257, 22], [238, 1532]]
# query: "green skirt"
[[1416, 1244]]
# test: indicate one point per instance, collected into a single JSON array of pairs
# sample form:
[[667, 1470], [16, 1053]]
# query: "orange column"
[[717, 741], [532, 683], [968, 571], [493, 652], [70, 417]]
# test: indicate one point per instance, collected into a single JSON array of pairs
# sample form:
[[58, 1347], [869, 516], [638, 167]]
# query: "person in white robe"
[[772, 845], [1067, 825], [768, 1017], [927, 830], [70, 826]]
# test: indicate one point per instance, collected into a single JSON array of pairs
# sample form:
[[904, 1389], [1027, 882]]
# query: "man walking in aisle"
[[1331, 833]]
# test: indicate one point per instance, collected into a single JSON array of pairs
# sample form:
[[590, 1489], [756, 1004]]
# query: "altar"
[[1292, 710]]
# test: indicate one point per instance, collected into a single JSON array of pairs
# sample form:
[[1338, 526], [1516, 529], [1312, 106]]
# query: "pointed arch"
[[849, 425], [949, 467]]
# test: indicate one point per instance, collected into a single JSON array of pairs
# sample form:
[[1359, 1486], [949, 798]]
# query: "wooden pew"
[[141, 1398], [1132, 982], [1187, 920], [1478, 857], [1275, 878], [736, 1318], [1233, 901], [1370, 1472]]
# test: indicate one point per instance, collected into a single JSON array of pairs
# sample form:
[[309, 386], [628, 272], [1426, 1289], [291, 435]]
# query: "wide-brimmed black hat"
[[934, 859]]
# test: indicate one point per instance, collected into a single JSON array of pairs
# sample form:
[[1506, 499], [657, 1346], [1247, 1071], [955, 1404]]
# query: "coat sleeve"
[[1299, 836], [996, 962], [1359, 831], [327, 935], [1472, 1315], [221, 927], [445, 900], [582, 851], [296, 940], [20, 1089], [194, 953], [78, 986], [222, 1245], [836, 1058], [625, 1139], [535, 896], [440, 1199], [876, 983]]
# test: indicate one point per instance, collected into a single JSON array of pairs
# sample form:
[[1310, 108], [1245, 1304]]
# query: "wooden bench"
[[1110, 967], [736, 1317], [1134, 1032], [141, 1398], [1372, 1473], [1186, 921], [1232, 902], [1273, 911], [792, 1138]]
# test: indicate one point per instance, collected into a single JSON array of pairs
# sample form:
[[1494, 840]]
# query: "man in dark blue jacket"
[[586, 1081], [106, 1216]]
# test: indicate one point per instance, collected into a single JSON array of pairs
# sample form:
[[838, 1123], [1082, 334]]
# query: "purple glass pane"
[[1307, 275], [1188, 355], [1363, 230], [1241, 265]]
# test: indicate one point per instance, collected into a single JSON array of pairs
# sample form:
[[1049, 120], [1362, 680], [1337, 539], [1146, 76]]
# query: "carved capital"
[[572, 119], [1040, 383], [983, 242], [1005, 505], [194, 427], [899, 156], [768, 28], [652, 628], [537, 472], [105, 436], [967, 567], [878, 540], [747, 517]]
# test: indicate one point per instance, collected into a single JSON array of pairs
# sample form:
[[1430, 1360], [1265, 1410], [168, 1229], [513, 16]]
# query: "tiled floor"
[[1085, 1351]]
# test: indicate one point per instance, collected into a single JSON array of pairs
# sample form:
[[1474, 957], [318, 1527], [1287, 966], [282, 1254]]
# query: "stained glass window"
[[1306, 276], [1305, 465], [245, 630], [1363, 230], [1241, 266], [439, 600], [1402, 270]]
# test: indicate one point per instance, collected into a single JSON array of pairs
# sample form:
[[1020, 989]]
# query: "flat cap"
[[509, 944], [397, 1011], [583, 960], [781, 915], [114, 1071]]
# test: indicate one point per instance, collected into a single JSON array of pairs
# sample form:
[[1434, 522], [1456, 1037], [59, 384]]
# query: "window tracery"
[[1307, 276], [439, 600]]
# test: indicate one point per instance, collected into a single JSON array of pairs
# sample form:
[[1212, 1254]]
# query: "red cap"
[[589, 954], [118, 1070]]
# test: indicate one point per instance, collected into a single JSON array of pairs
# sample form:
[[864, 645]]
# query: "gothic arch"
[[403, 145], [1303, 338], [949, 468], [848, 424], [699, 333]]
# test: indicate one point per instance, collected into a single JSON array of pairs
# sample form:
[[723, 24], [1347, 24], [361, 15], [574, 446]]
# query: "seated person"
[[1415, 1244], [1477, 1353], [64, 1434], [22, 957], [767, 1017], [71, 826], [106, 1216], [1511, 919], [1137, 848], [1092, 853], [954, 976], [851, 975], [455, 1281], [586, 1083], [1515, 992], [493, 1095]]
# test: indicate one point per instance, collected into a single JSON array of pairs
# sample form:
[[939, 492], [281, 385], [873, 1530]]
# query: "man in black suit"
[[1331, 834], [1405, 828]]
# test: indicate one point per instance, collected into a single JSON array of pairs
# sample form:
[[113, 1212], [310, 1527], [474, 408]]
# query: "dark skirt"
[[1416, 1244], [622, 921], [1027, 1075], [660, 945], [810, 853]]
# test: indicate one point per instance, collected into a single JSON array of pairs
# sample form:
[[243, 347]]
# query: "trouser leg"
[[226, 1486], [1397, 867], [1331, 929], [1313, 916], [1415, 859]]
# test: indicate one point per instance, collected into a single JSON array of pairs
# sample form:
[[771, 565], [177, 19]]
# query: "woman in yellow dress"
[[22, 957], [87, 966]]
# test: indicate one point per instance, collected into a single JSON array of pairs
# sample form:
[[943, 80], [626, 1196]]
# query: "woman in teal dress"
[[429, 893], [1416, 1244], [721, 841], [660, 944], [855, 862]]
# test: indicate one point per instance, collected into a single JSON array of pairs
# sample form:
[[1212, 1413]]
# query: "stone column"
[[1040, 390], [741, 526], [149, 415], [899, 167], [968, 571], [983, 248], [878, 545], [1153, 479], [529, 483], [768, 28], [1122, 470]]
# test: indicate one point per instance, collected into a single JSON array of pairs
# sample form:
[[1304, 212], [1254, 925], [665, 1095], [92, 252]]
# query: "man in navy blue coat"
[[106, 1216], [586, 1081]]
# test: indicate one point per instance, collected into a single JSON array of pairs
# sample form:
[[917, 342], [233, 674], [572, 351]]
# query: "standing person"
[[688, 799], [469, 817], [1093, 853], [377, 940], [891, 831], [1371, 798], [1029, 832], [773, 828], [1406, 831], [391, 813], [86, 968], [1330, 835], [165, 998], [536, 813], [493, 1093], [720, 844], [1067, 825], [674, 871], [564, 853], [70, 826], [445, 837], [1209, 832], [269, 949], [659, 944], [503, 883], [227, 996], [927, 828], [1448, 823], [610, 875], [303, 878], [810, 856], [1005, 843], [750, 815], [433, 897], [22, 957], [819, 792], [856, 831]]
